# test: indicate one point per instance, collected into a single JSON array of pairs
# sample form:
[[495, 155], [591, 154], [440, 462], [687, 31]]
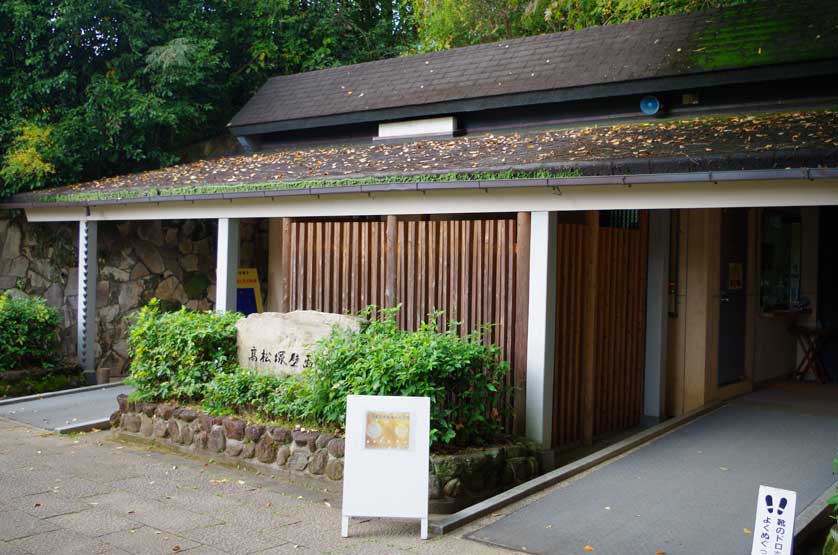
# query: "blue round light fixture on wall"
[[650, 105]]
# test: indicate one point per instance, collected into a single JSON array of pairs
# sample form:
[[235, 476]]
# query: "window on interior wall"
[[780, 259], [624, 219]]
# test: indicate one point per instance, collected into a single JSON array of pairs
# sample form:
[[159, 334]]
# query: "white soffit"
[[792, 192], [444, 126]]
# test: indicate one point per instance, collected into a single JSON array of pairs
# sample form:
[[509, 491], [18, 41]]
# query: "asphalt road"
[[67, 409]]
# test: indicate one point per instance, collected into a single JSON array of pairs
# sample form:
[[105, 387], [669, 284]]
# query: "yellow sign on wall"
[[248, 294]]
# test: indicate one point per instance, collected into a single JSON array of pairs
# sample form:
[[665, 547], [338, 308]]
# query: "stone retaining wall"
[[172, 260], [456, 480]]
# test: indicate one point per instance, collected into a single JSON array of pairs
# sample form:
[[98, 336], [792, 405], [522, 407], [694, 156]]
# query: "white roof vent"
[[428, 128]]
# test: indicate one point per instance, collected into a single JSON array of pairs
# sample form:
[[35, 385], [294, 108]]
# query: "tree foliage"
[[449, 23], [90, 88]]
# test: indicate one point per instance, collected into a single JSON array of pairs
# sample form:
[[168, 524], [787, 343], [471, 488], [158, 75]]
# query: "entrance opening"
[[733, 295]]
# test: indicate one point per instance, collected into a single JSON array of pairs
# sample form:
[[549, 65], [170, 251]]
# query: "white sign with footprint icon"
[[774, 526]]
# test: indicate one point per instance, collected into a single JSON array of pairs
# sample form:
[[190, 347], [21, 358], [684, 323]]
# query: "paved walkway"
[[692, 491], [67, 409], [90, 495]]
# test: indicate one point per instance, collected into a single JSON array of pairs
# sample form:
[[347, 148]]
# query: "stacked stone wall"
[[173, 260], [456, 480]]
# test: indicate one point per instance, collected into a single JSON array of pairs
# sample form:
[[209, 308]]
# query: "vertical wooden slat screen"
[[466, 267], [619, 336]]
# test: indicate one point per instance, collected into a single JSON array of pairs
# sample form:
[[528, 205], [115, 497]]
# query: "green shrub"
[[28, 334], [462, 376], [265, 396], [833, 501], [176, 354]]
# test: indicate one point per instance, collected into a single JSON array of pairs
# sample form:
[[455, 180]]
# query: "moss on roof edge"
[[217, 188]]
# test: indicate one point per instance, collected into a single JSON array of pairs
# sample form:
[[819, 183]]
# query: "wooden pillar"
[[284, 304], [391, 262], [275, 266], [589, 323], [522, 283]]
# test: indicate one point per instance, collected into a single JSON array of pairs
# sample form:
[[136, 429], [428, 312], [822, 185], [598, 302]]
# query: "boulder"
[[453, 488], [280, 343], [11, 246], [233, 428], [146, 425], [216, 441], [266, 450], [254, 432], [164, 410], [306, 439], [249, 451], [298, 460], [131, 422], [317, 462], [336, 447], [150, 257], [282, 455], [160, 428], [174, 431], [187, 415], [280, 435], [323, 440], [334, 469], [234, 448], [170, 289]]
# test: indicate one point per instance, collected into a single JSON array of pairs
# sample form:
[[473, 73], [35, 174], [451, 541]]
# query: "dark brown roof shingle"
[[744, 36]]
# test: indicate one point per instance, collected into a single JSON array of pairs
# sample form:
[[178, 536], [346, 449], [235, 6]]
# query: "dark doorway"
[[733, 295], [828, 286]]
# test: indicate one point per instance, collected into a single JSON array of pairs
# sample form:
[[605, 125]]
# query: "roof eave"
[[622, 88], [730, 176]]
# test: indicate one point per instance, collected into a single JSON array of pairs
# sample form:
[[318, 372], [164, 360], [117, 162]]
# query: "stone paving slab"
[[91, 494]]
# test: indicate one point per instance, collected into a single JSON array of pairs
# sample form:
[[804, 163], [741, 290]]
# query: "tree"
[[90, 88], [449, 23]]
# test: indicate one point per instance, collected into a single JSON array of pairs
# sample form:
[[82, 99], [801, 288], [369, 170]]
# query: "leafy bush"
[[833, 501], [176, 354], [462, 376], [28, 334], [268, 397]]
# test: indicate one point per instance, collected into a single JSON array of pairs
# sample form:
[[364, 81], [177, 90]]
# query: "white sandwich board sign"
[[386, 459], [774, 526]]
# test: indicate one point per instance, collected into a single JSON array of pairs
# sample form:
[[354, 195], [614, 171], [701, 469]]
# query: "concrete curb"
[[450, 522], [58, 393], [103, 424], [814, 517]]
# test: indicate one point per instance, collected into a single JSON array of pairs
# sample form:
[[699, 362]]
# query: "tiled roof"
[[762, 141], [744, 36]]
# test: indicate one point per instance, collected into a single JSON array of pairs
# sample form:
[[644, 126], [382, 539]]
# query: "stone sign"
[[280, 343]]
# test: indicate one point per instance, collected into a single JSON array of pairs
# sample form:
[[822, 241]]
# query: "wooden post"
[[589, 322], [275, 269], [284, 303], [522, 289], [391, 263]]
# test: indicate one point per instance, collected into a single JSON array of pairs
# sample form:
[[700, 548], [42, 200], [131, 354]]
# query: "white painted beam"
[[227, 264], [541, 328], [791, 192], [657, 314], [86, 300]]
